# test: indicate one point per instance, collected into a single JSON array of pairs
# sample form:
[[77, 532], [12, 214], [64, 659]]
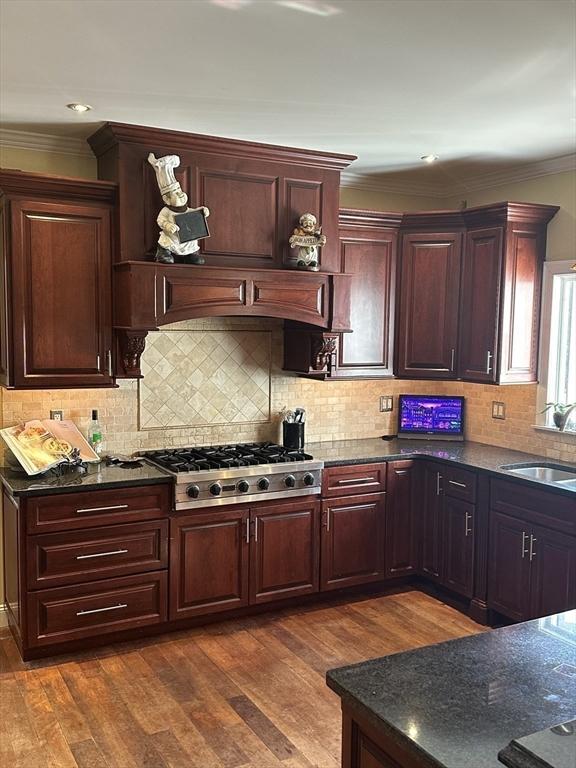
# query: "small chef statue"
[[307, 238], [170, 249]]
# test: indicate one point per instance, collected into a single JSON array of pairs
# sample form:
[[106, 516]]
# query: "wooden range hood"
[[255, 193]]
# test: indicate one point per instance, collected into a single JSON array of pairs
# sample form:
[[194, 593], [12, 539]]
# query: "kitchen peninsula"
[[460, 703]]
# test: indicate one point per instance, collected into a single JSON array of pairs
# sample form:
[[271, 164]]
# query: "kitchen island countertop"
[[457, 704]]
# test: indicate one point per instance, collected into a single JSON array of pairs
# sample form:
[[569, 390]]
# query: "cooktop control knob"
[[215, 489], [193, 491], [263, 484], [290, 481], [243, 486], [308, 479]]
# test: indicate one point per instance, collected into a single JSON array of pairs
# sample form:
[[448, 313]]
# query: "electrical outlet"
[[56, 415], [498, 410], [386, 403]]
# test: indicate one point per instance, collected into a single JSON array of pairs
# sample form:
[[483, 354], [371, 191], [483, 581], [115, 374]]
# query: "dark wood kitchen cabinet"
[[429, 288], [401, 533], [532, 569], [469, 293], [368, 253], [353, 529], [255, 192], [446, 522], [284, 553], [209, 562], [56, 281]]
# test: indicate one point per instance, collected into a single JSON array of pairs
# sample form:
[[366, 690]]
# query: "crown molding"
[[44, 142], [518, 173]]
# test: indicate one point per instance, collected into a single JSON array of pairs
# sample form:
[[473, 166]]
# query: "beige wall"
[[40, 161]]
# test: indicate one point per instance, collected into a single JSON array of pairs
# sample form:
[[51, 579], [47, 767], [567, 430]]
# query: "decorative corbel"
[[131, 345], [324, 348]]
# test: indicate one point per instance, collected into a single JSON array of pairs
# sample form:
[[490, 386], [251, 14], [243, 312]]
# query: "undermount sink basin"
[[547, 472]]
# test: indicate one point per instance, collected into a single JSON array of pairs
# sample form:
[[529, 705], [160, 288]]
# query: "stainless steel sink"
[[547, 472]]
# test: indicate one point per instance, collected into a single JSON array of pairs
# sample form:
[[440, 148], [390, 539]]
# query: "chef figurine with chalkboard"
[[180, 227]]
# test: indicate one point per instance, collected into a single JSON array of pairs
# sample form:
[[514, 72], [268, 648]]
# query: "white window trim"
[[551, 268]]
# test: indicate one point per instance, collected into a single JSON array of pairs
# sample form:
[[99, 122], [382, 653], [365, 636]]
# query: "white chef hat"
[[164, 167]]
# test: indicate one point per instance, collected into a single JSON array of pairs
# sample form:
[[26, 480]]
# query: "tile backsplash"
[[336, 410]]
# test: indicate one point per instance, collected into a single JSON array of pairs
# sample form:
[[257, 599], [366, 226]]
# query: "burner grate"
[[224, 456]]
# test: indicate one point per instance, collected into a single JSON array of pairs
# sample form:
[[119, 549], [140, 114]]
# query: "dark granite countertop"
[[457, 704], [98, 477], [475, 456]]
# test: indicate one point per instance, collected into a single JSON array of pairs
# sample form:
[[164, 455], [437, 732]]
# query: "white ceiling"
[[484, 84]]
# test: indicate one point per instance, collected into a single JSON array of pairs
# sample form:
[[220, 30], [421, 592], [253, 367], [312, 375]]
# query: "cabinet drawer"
[[90, 509], [459, 483], [353, 479], [55, 559], [534, 505], [77, 612]]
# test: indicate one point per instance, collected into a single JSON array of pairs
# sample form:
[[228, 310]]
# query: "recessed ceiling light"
[[429, 158], [79, 107]]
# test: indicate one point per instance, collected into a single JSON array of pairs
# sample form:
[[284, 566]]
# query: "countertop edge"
[[79, 488]]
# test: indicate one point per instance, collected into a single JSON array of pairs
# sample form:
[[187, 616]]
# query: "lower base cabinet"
[[532, 569], [352, 541], [222, 560], [458, 565], [284, 551], [209, 560], [401, 551]]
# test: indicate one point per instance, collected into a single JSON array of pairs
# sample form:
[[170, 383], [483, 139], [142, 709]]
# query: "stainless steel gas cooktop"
[[232, 474]]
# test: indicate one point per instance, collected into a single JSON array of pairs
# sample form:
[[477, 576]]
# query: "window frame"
[[551, 269]]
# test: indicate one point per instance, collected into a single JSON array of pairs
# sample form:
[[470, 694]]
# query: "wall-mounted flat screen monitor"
[[431, 417]]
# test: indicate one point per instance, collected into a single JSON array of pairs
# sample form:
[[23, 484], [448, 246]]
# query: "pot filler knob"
[[263, 484], [308, 479], [290, 481], [193, 491], [215, 489], [243, 486]]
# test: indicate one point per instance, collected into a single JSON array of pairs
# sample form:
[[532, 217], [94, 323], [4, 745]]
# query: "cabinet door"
[[208, 563], [508, 566], [553, 572], [61, 289], [480, 305], [429, 297], [458, 566], [352, 541], [372, 260], [429, 514], [284, 550], [401, 543]]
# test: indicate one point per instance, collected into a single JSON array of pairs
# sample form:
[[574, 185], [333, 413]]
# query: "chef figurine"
[[170, 249], [307, 238]]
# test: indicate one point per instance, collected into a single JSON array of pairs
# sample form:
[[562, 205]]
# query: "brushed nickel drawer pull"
[[452, 354], [468, 531], [533, 541], [102, 554], [109, 359], [255, 529], [400, 471], [102, 509], [460, 485], [438, 488], [358, 480], [247, 531], [102, 610], [356, 506], [489, 362]]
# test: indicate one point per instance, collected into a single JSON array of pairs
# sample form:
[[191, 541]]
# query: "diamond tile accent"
[[205, 377]]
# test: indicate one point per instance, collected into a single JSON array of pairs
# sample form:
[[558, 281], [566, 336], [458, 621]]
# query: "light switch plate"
[[386, 403], [56, 415], [498, 409]]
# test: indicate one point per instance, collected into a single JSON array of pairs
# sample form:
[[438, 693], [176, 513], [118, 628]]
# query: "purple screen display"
[[441, 415]]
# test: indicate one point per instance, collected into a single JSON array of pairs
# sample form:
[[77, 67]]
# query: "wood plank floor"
[[247, 692]]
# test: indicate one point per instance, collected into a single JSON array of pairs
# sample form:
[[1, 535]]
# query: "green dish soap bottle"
[[95, 434]]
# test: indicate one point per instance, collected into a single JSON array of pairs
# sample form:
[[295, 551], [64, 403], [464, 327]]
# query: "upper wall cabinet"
[[368, 244], [470, 293], [56, 329], [255, 193], [428, 305]]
